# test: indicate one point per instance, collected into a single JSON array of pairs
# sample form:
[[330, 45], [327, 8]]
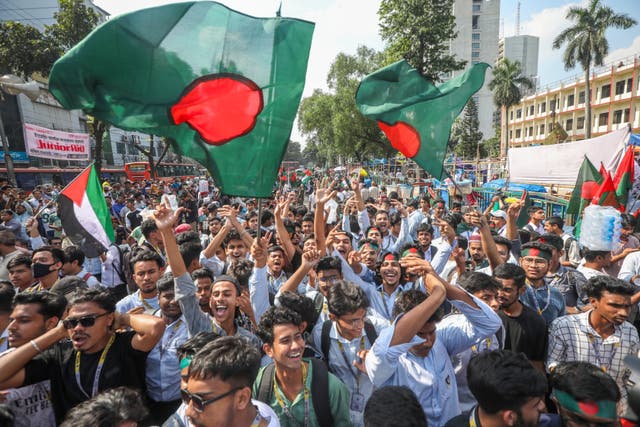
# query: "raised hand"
[[323, 195], [310, 258], [164, 217]]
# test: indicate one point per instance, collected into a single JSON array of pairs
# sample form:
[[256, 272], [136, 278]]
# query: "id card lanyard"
[[346, 360], [96, 378], [306, 394]]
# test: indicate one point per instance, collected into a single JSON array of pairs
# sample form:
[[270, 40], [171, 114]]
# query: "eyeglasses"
[[534, 261], [328, 279], [353, 322], [84, 321], [199, 403]]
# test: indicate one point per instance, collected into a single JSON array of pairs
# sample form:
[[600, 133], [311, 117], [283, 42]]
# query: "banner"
[[55, 144], [560, 163]]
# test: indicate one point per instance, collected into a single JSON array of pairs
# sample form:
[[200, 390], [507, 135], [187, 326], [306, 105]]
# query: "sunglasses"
[[199, 403], [84, 321]]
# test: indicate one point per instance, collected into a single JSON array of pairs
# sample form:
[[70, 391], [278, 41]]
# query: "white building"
[[477, 23], [523, 49]]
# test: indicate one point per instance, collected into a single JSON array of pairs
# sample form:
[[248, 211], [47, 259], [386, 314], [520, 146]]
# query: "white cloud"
[[624, 52]]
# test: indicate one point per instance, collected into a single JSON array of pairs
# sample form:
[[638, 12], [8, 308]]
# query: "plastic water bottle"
[[600, 229]]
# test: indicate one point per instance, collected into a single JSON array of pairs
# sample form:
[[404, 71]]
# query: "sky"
[[343, 25]]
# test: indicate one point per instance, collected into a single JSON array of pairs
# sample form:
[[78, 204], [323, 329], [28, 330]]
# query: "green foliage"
[[491, 146], [74, 21], [24, 50], [294, 152], [586, 41], [506, 84], [420, 32], [465, 133], [331, 121]]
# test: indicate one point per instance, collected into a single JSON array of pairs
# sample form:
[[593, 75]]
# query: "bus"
[[137, 171], [28, 178]]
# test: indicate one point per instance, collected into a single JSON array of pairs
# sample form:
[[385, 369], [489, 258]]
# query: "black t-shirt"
[[123, 366], [526, 334]]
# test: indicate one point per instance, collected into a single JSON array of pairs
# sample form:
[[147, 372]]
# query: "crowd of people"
[[352, 306]]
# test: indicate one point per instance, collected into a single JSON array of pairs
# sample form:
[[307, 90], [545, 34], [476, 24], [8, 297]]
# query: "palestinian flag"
[[223, 87], [414, 114], [623, 179], [587, 185], [84, 214], [606, 194]]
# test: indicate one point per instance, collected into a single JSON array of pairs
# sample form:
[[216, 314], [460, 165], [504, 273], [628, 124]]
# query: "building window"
[[531, 110], [542, 108], [120, 148], [620, 87], [581, 98], [552, 105], [476, 8], [568, 125], [605, 92], [475, 54], [617, 116], [530, 130], [629, 85], [519, 113], [474, 22], [580, 124], [541, 129], [510, 134], [475, 36], [571, 100], [477, 46], [625, 117], [511, 115], [603, 119]]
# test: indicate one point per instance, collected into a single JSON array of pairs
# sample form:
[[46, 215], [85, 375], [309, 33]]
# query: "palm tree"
[[506, 84], [586, 43]]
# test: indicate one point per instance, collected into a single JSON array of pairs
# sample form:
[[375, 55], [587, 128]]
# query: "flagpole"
[[259, 200]]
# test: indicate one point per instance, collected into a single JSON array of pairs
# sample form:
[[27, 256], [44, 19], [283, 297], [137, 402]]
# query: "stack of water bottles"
[[600, 229]]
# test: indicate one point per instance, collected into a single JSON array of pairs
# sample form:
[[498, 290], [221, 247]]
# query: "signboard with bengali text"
[[55, 144]]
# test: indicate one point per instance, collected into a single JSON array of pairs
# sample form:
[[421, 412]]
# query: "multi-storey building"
[[523, 49], [477, 23], [615, 103]]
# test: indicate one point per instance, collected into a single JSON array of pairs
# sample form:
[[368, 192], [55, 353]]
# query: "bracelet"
[[35, 346]]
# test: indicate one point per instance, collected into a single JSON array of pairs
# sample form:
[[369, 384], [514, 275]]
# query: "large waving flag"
[[224, 87], [587, 185], [84, 214], [415, 115], [623, 179]]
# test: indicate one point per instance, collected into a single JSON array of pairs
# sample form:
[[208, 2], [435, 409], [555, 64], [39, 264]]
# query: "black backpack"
[[319, 390], [325, 342]]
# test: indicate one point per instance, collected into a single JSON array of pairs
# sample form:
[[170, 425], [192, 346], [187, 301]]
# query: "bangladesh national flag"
[[623, 179], [84, 214], [222, 86], [587, 185], [415, 115]]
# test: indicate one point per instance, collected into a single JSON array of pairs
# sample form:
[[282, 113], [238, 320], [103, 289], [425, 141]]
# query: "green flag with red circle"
[[222, 86]]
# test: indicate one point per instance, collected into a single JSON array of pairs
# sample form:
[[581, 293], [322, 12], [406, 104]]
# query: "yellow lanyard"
[[174, 329], [474, 348], [306, 394], [348, 362], [96, 378]]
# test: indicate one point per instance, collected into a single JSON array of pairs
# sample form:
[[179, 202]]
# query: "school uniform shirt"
[[163, 364], [89, 278], [4, 340], [355, 380], [545, 300], [135, 300], [432, 378], [123, 366]]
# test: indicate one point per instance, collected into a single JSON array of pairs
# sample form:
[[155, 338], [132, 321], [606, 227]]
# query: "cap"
[[499, 214]]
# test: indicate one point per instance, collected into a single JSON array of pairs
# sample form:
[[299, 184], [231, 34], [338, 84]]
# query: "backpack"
[[325, 342], [319, 390], [121, 257]]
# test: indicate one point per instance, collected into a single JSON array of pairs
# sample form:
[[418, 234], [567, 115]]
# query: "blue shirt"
[[545, 300]]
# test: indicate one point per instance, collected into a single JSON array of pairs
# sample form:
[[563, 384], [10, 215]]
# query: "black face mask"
[[40, 270]]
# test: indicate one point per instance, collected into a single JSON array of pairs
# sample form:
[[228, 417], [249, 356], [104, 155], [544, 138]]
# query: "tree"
[[74, 21], [24, 50], [466, 133], [420, 31], [331, 120], [153, 163], [492, 145], [506, 84], [294, 152], [586, 42]]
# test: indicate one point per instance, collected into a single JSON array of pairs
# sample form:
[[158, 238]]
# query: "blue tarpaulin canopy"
[[634, 139], [497, 184]]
